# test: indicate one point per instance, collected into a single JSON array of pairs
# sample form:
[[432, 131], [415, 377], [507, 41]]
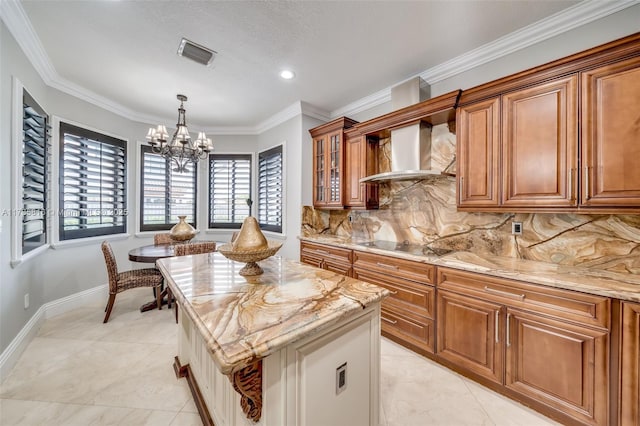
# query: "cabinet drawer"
[[311, 260], [565, 304], [338, 267], [420, 298], [416, 271], [407, 327], [326, 252]]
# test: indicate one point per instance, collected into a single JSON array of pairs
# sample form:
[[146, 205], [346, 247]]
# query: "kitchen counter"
[[586, 280], [246, 318]]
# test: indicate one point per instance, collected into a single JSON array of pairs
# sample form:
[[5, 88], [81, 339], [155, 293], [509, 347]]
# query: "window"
[[93, 196], [35, 173], [165, 193], [229, 190], [270, 189]]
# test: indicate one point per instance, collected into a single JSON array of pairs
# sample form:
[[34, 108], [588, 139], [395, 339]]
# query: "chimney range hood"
[[410, 144]]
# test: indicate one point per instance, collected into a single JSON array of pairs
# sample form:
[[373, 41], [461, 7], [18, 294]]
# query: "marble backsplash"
[[424, 212]]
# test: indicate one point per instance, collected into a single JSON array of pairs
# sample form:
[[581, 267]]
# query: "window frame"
[[226, 225], [278, 149], [168, 171], [103, 138], [18, 255]]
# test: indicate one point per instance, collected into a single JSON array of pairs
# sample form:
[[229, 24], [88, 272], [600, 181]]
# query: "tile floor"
[[78, 371]]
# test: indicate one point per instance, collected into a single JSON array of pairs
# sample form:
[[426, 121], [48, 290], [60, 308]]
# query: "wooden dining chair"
[[185, 250], [164, 238], [121, 281]]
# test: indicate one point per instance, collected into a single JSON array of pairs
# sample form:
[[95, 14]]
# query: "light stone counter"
[[243, 319], [586, 280]]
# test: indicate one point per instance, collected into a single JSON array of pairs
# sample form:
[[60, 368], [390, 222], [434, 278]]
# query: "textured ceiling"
[[125, 51]]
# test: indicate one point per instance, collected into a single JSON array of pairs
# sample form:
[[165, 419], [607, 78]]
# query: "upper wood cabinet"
[[478, 127], [539, 144], [567, 140], [328, 163], [611, 134], [361, 159]]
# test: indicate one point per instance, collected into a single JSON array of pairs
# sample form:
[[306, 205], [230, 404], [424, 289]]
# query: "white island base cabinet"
[[328, 378]]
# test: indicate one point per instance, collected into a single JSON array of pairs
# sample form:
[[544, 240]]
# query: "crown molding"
[[17, 21], [563, 21], [373, 100]]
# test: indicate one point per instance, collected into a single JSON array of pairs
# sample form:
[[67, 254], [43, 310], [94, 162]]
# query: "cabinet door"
[[562, 365], [469, 334], [319, 171], [361, 157], [611, 135], [334, 169], [478, 153], [539, 145], [630, 365]]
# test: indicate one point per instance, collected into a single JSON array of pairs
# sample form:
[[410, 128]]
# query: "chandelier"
[[181, 150]]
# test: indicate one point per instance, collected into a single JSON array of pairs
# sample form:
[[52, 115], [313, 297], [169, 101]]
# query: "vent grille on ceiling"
[[196, 52]]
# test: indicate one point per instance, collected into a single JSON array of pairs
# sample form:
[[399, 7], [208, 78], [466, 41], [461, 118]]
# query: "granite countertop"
[[587, 280], [243, 319]]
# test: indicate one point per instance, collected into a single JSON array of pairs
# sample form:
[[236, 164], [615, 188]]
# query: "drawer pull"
[[389, 321], [508, 326], [504, 293], [384, 265], [392, 292], [321, 251], [497, 326]]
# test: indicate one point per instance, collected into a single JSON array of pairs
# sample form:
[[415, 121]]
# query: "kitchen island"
[[295, 345]]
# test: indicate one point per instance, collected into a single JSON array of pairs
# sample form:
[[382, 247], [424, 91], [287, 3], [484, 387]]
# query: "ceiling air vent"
[[196, 52]]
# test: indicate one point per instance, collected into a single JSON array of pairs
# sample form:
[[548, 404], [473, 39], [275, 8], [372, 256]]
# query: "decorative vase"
[[250, 236], [182, 231]]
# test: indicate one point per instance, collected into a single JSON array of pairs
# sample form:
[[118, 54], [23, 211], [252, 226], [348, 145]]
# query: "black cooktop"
[[406, 247]]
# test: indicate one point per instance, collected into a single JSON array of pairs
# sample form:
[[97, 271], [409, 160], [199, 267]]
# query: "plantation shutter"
[[166, 194], [93, 195], [229, 190], [270, 189], [35, 174]]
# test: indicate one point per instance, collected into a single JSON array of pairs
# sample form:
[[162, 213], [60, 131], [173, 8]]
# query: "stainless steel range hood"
[[410, 145]]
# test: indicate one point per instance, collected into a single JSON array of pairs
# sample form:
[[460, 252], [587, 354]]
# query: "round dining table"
[[151, 253]]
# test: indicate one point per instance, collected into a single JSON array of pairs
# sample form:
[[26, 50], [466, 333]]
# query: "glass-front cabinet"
[[328, 163]]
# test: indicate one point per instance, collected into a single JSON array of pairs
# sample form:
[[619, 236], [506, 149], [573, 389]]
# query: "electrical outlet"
[[516, 228], [26, 301]]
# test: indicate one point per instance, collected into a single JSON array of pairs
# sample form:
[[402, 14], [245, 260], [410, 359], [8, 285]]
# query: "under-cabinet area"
[[571, 355]]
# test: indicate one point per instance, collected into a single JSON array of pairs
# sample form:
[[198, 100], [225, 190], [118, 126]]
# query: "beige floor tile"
[[31, 413], [186, 419], [79, 371]]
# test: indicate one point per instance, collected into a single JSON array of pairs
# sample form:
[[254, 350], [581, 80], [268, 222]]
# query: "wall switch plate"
[[516, 228], [341, 378], [26, 301]]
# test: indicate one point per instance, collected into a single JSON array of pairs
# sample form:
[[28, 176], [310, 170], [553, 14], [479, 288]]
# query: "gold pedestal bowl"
[[250, 257]]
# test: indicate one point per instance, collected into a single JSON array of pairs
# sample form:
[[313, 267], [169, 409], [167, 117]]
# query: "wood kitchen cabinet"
[[567, 139], [478, 128], [328, 163], [331, 258], [611, 134], [408, 314], [629, 408], [539, 145], [361, 159], [546, 347]]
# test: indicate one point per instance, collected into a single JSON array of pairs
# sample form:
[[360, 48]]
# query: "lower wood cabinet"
[[408, 314], [493, 329], [331, 258], [629, 410], [469, 334]]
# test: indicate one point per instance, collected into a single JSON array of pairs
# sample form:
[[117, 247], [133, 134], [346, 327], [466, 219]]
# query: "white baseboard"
[[11, 354]]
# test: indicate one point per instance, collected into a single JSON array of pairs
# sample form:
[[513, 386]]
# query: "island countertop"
[[244, 319]]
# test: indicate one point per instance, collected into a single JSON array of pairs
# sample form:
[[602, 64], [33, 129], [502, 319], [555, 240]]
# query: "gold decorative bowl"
[[250, 257]]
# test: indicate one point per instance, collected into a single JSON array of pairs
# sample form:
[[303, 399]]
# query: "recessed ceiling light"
[[287, 74]]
